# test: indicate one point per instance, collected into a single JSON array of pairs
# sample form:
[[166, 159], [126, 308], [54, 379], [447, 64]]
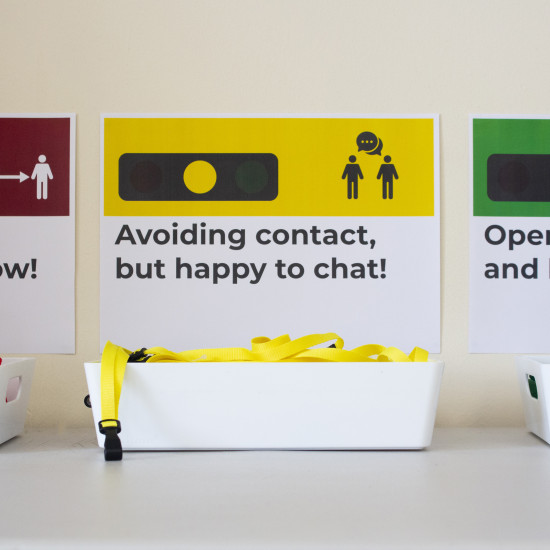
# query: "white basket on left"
[[15, 389]]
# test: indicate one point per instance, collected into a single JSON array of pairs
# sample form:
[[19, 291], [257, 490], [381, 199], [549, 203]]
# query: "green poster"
[[511, 167]]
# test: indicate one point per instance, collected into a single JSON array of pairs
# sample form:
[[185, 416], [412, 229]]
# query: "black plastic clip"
[[113, 446], [138, 356]]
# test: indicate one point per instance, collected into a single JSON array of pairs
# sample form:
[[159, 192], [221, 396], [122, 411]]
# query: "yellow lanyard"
[[281, 349]]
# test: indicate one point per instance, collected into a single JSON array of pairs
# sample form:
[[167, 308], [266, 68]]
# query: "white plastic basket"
[[15, 388], [200, 406], [534, 383]]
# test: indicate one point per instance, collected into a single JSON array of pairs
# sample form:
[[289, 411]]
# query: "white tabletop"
[[472, 489]]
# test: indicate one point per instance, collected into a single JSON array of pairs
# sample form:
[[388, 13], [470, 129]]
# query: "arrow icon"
[[21, 177]]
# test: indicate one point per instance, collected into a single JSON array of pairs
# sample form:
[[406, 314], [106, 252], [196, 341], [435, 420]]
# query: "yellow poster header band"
[[268, 166]]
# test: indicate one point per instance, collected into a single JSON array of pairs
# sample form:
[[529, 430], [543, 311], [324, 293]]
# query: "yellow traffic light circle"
[[199, 176]]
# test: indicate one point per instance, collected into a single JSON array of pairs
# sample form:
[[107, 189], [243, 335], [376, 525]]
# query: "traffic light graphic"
[[518, 177], [198, 177]]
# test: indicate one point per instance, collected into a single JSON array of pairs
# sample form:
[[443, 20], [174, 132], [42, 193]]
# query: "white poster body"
[[37, 221], [193, 281], [509, 234]]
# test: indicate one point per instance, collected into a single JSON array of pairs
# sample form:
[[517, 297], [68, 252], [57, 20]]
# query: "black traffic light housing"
[[160, 177], [518, 178]]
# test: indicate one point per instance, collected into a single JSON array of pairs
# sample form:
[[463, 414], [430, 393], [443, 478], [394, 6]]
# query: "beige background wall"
[[280, 56]]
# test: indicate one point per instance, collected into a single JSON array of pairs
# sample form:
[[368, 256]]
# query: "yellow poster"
[[210, 166], [216, 229]]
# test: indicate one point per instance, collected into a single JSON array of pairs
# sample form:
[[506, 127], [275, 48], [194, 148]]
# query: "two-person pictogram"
[[371, 145], [42, 173]]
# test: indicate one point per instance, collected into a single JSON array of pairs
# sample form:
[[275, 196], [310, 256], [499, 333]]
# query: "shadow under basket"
[[15, 388], [231, 406], [534, 382]]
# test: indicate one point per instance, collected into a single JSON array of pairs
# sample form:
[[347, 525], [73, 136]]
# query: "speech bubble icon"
[[368, 142]]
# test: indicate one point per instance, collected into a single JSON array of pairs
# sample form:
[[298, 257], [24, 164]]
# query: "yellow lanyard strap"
[[281, 349], [113, 365]]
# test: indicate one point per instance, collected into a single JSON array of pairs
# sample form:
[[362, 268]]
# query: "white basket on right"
[[534, 382], [15, 388]]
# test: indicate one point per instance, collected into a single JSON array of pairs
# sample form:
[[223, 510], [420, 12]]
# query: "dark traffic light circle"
[[251, 176], [146, 176], [514, 177]]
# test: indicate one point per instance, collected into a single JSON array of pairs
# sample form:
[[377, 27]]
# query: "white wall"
[[280, 56]]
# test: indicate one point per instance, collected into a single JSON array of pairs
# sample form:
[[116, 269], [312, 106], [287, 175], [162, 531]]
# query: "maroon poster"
[[37, 228]]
